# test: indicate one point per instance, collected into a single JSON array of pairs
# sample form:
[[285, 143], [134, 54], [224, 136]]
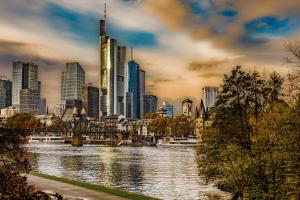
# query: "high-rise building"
[[90, 100], [42, 106], [72, 81], [133, 74], [169, 108], [25, 76], [209, 96], [29, 101], [187, 105], [121, 66], [150, 104], [5, 93], [108, 71], [141, 94]]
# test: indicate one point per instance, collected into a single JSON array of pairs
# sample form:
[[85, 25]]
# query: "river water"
[[165, 173]]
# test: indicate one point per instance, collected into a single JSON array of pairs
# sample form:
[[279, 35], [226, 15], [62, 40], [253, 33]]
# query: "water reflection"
[[168, 173]]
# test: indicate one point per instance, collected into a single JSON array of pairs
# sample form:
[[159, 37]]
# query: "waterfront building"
[[162, 111], [59, 109], [46, 119], [72, 81], [209, 96], [29, 101], [5, 93], [187, 105], [25, 76], [9, 111], [169, 108], [90, 100], [150, 103]]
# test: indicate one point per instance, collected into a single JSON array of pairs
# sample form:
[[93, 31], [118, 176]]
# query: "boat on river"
[[45, 139], [190, 141]]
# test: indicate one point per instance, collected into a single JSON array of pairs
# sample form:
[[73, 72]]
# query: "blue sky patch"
[[268, 25], [229, 13]]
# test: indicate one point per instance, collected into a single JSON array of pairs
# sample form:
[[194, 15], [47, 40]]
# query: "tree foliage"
[[179, 126], [13, 165], [252, 149]]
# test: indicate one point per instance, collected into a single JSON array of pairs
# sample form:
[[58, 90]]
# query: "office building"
[[29, 101], [209, 96], [150, 104], [72, 103], [42, 106], [108, 71], [25, 76], [9, 111], [162, 112], [141, 94], [72, 81], [5, 93], [133, 74], [90, 100], [121, 66], [169, 108], [187, 105]]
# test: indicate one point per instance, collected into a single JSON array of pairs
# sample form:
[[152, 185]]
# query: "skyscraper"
[[187, 105], [72, 81], [169, 108], [209, 96], [29, 101], [108, 71], [5, 92], [25, 76], [141, 94], [133, 74], [150, 104], [90, 100], [121, 65]]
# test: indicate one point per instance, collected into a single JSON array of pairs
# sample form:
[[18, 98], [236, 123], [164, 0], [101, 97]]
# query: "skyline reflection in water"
[[166, 173]]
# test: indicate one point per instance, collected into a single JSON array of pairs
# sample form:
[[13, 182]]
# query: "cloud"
[[208, 65]]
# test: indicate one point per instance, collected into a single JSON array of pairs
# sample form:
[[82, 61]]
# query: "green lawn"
[[100, 188]]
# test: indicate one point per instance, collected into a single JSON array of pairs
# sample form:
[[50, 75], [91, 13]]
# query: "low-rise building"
[[9, 111]]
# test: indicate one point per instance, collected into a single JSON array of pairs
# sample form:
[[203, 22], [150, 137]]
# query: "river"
[[165, 173]]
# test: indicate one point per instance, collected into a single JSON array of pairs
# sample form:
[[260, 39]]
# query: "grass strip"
[[100, 188]]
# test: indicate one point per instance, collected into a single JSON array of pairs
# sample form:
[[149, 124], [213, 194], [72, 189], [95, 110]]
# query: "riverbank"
[[71, 188]]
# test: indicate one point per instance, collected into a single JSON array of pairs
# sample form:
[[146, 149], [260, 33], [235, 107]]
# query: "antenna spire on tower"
[[131, 53]]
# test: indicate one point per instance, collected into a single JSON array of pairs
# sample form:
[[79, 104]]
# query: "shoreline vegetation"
[[95, 187]]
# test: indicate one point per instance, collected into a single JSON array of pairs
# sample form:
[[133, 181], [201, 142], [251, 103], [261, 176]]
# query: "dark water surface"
[[166, 173]]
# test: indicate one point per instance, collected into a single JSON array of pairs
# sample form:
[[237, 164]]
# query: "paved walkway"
[[68, 190]]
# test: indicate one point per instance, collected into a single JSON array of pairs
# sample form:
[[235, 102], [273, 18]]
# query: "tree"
[[252, 149], [22, 121]]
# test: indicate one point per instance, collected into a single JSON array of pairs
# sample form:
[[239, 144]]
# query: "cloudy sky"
[[181, 44]]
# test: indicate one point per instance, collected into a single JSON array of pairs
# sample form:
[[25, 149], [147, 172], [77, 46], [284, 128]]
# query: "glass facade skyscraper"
[[133, 88], [113, 61], [141, 94], [150, 104], [90, 100], [72, 81], [169, 108], [5, 93], [25, 76]]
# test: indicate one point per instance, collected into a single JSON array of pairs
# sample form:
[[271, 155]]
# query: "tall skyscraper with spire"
[[112, 62]]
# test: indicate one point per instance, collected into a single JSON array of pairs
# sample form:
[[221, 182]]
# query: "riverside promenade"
[[72, 189]]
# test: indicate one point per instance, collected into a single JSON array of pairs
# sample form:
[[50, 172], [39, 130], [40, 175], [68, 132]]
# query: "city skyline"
[[181, 44]]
